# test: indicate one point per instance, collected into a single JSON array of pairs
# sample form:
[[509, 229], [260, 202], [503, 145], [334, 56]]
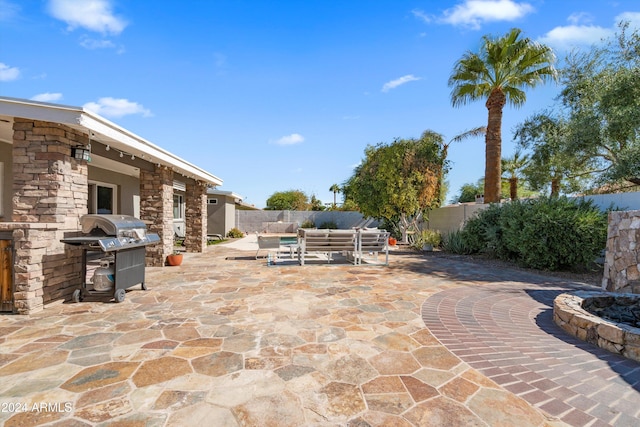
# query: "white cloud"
[[420, 14], [397, 82], [112, 107], [8, 11], [47, 97], [580, 18], [294, 138], [91, 44], [8, 73], [92, 15], [472, 13], [632, 17], [575, 35]]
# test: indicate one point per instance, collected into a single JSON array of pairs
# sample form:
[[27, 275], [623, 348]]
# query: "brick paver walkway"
[[506, 332]]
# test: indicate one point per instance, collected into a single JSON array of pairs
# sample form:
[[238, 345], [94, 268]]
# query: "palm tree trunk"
[[493, 150], [513, 188]]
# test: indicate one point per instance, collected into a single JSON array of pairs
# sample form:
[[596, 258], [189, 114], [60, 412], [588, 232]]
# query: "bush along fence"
[[545, 233]]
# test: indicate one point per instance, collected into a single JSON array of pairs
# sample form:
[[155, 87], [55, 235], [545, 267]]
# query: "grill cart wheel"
[[119, 295], [143, 286], [77, 296]]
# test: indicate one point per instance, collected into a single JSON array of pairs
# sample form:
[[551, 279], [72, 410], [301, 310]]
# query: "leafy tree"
[[498, 73], [294, 200], [335, 188], [552, 163], [348, 206], [469, 191], [513, 166], [316, 204], [602, 96], [399, 181]]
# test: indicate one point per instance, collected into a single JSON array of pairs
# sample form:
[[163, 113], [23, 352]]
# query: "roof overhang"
[[215, 192], [104, 131]]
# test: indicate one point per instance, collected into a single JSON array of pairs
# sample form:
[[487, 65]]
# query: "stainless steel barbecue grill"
[[118, 243]]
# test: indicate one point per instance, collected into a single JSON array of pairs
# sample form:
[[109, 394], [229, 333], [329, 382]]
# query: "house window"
[[178, 206], [213, 201], [102, 198]]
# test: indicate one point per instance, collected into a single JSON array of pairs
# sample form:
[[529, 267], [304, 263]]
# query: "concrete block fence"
[[289, 221]]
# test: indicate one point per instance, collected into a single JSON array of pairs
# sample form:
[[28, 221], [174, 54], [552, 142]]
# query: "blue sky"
[[280, 95]]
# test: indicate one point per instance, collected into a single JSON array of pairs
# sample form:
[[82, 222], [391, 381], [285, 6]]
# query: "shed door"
[[6, 276]]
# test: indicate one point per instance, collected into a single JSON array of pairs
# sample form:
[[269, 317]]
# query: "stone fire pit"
[[608, 320]]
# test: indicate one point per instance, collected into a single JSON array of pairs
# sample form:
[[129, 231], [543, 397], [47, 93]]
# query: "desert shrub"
[[328, 225], [308, 224], [545, 233], [555, 233], [454, 242], [234, 233], [481, 231]]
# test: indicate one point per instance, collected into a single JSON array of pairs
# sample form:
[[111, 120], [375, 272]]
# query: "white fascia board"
[[55, 113], [137, 146], [78, 117], [215, 192]]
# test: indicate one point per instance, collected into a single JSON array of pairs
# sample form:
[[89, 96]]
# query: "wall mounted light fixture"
[[81, 153]]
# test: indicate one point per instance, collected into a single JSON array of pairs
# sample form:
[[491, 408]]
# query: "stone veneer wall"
[[50, 194], [196, 217], [156, 208], [622, 262]]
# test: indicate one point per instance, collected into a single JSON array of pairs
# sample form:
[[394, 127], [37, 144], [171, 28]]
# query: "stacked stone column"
[[156, 209], [50, 194], [196, 217], [622, 260]]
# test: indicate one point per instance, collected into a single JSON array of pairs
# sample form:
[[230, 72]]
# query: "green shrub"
[[556, 233], [234, 233], [329, 225], [308, 224], [454, 242], [545, 233], [425, 237], [481, 231]]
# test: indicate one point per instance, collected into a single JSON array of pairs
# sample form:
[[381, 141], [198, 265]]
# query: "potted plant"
[[392, 241], [175, 258], [426, 240]]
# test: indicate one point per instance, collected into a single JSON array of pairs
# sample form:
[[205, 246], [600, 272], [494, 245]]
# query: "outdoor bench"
[[355, 243]]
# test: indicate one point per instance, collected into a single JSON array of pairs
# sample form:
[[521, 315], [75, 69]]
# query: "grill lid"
[[113, 225]]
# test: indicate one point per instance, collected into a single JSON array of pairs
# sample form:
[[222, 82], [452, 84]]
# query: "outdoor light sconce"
[[81, 153]]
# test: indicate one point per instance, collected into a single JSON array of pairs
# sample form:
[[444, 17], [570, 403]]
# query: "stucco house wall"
[[221, 211], [128, 189]]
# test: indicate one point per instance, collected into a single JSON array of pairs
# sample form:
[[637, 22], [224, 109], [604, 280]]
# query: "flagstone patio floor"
[[226, 340]]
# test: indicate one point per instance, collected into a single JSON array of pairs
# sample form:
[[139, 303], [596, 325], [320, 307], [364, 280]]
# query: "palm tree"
[[499, 73], [336, 189], [513, 166]]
